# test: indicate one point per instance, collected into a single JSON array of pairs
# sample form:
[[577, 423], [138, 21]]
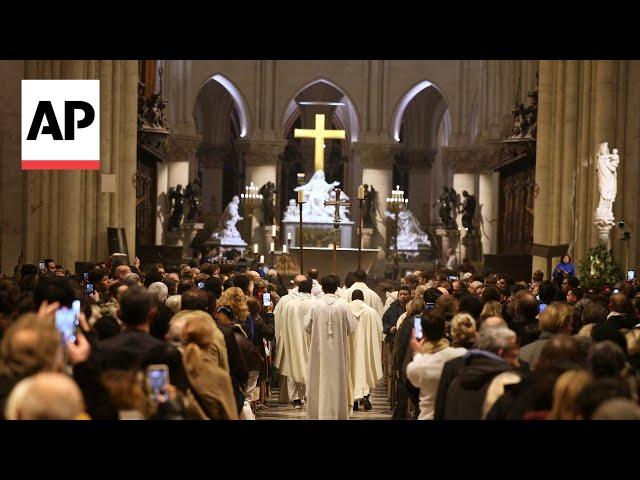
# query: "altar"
[[321, 258], [318, 234]]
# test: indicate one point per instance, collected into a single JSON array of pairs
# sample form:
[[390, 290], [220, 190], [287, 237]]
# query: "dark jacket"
[[390, 318], [519, 321], [237, 365], [467, 392], [160, 325], [621, 322], [401, 345], [449, 373], [124, 351]]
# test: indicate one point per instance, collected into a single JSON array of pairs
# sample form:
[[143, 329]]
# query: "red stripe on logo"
[[60, 164]]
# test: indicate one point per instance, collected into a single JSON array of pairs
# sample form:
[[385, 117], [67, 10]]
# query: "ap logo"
[[60, 124]]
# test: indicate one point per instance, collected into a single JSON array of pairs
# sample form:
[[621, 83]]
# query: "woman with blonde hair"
[[234, 299], [566, 390], [491, 309], [463, 331], [218, 348], [210, 394]]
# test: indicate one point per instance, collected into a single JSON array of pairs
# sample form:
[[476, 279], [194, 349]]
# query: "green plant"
[[599, 268]]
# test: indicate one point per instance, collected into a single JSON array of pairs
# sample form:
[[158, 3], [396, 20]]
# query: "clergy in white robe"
[[371, 298], [292, 343], [329, 322], [366, 347], [316, 289]]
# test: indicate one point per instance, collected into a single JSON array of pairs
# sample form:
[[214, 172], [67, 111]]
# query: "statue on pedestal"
[[468, 211], [176, 200], [268, 209], [192, 194], [316, 192], [368, 215], [448, 203], [607, 164], [410, 235], [226, 231]]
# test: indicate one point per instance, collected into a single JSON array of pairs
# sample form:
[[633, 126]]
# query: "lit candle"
[[272, 247], [255, 248], [361, 192], [273, 232], [288, 235], [330, 245], [284, 249], [261, 258], [300, 196]]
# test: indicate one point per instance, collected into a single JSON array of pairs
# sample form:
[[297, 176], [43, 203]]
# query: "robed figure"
[[468, 210], [371, 298], [292, 342], [366, 350], [329, 322], [176, 204]]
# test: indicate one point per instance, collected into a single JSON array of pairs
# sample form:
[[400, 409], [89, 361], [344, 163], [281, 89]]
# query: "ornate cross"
[[336, 220], [319, 134]]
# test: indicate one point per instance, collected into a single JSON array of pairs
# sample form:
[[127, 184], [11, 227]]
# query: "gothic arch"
[[238, 99], [288, 116]]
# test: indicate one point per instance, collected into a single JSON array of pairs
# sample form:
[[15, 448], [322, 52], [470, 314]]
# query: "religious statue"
[[226, 231], [531, 115], [468, 211], [369, 214], [192, 194], [448, 202], [292, 209], [176, 199], [268, 209], [518, 120], [607, 164], [316, 192], [410, 235]]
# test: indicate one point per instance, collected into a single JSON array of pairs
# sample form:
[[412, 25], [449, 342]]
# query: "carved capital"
[[182, 148], [376, 155], [213, 156], [261, 152], [471, 159]]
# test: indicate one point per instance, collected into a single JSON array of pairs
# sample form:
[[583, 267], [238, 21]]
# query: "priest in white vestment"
[[292, 344], [366, 350], [329, 322], [371, 298]]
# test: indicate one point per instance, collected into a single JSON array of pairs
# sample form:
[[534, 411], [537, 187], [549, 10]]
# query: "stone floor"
[[276, 411]]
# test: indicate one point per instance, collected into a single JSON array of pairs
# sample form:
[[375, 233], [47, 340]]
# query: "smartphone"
[[67, 322], [453, 278], [90, 289], [631, 275], [417, 326], [41, 265], [266, 299], [86, 276], [157, 381], [200, 284], [538, 297], [616, 290]]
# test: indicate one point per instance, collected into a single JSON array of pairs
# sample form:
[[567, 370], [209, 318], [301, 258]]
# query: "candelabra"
[[251, 199], [395, 204]]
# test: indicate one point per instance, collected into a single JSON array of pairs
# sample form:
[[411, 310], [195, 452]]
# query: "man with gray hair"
[[160, 325], [132, 280], [496, 352]]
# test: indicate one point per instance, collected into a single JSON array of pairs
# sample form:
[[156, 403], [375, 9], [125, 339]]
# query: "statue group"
[[316, 192], [177, 197], [449, 207]]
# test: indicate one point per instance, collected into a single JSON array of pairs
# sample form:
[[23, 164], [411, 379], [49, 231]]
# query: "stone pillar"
[[12, 204], [419, 193], [211, 160], [67, 214], [377, 170], [487, 211]]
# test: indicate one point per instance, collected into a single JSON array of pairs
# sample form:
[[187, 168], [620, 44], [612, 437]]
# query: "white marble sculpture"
[[606, 166], [316, 192], [410, 235], [226, 231]]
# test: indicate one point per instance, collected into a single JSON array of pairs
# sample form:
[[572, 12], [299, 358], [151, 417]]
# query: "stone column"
[[419, 193], [487, 211], [211, 160], [377, 170], [67, 215]]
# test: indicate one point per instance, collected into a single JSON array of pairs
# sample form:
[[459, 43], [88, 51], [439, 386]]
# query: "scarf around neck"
[[434, 347]]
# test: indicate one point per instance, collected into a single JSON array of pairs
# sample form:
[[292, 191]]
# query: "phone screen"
[[200, 284], [86, 276], [41, 265], [158, 379], [266, 299], [67, 322], [631, 275], [417, 326], [89, 288], [453, 278]]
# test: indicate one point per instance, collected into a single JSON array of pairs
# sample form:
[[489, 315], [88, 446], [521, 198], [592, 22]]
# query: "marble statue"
[[410, 235], [468, 211], [292, 210], [176, 204], [607, 164], [316, 192], [226, 231]]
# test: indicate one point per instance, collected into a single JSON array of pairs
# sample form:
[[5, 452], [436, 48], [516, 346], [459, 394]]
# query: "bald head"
[[45, 396], [122, 271], [313, 273], [253, 274], [493, 322], [299, 279]]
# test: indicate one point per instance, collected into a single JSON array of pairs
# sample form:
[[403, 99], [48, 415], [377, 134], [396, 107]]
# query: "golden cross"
[[319, 134]]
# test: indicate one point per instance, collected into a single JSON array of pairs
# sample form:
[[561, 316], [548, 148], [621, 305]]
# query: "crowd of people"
[[211, 339]]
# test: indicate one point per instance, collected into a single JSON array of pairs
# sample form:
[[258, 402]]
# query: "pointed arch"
[[238, 100]]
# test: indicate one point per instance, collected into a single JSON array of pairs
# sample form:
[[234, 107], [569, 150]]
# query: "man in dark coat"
[[497, 352]]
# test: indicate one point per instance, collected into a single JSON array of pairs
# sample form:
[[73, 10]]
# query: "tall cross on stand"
[[319, 134], [336, 221]]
